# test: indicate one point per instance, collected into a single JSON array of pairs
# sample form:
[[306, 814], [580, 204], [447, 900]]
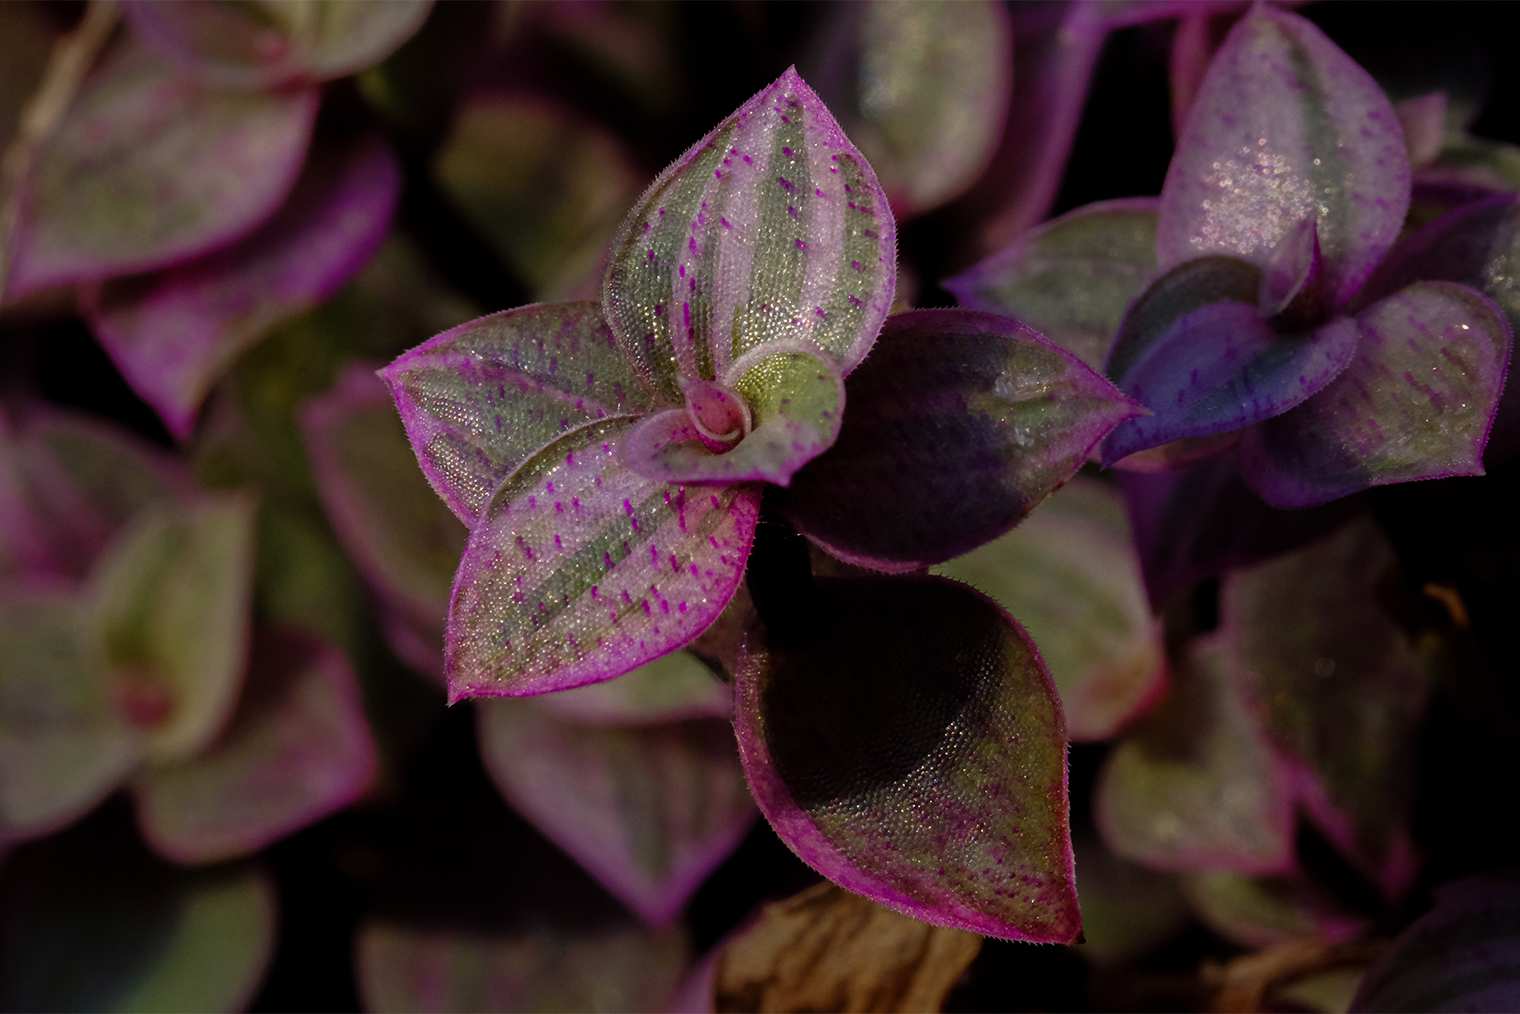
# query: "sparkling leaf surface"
[[1194, 785], [297, 749], [1286, 127], [649, 810], [908, 744], [173, 335], [1259, 912], [580, 570], [772, 228], [1070, 279], [1070, 573], [1339, 689], [674, 687], [171, 603], [478, 400], [1416, 402], [958, 424], [149, 167]]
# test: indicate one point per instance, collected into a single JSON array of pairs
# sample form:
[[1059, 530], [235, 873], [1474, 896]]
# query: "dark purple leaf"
[[1186, 289]]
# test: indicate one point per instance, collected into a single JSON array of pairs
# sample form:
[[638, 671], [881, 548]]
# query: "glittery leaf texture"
[[150, 167], [958, 424], [175, 333], [262, 44], [905, 740]]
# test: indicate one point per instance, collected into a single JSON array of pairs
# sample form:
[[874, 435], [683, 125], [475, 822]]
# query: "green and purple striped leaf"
[[297, 749], [771, 229], [477, 401], [908, 744], [1285, 128], [1260, 912], [1416, 402], [1195, 785], [149, 167], [173, 335], [649, 810], [958, 424]]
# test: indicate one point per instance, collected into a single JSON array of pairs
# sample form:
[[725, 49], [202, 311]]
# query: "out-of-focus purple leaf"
[[170, 606], [1338, 688], [771, 229], [649, 810], [1423, 121], [1286, 127], [1200, 33], [149, 168], [923, 89], [1194, 785], [26, 37], [1259, 912], [958, 424], [1124, 13], [674, 687], [1416, 402], [478, 400], [906, 741], [580, 570], [63, 743], [174, 334], [1070, 279], [296, 750], [1070, 574], [1462, 955], [547, 187], [263, 43], [1126, 909], [404, 969]]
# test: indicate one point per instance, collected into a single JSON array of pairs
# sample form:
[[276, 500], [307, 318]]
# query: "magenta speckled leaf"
[[1260, 912], [580, 570], [150, 167], [908, 744], [673, 688], [649, 810], [477, 401], [1286, 127], [173, 335], [771, 229], [1338, 688], [262, 44], [297, 749], [1194, 785], [958, 424], [1416, 402]]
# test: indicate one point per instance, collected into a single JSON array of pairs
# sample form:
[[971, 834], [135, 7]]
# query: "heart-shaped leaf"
[[149, 167], [175, 334], [1286, 127], [478, 400], [674, 687], [1261, 912], [958, 424], [580, 570], [1070, 573], [1070, 279], [1416, 402], [771, 229], [1194, 785], [908, 744], [296, 750], [261, 44]]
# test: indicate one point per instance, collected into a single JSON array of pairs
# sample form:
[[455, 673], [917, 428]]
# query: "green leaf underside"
[[581, 570], [770, 229], [672, 687], [1259, 912], [478, 400], [1127, 910]]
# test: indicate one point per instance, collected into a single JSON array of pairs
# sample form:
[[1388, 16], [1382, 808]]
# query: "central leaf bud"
[[720, 416]]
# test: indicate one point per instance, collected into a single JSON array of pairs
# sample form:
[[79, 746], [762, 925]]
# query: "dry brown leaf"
[[1244, 982]]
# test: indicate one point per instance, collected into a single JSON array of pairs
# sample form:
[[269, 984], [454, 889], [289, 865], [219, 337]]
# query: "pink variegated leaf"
[[174, 334], [1286, 127], [149, 167], [673, 688], [580, 569], [1338, 688], [649, 810], [297, 749], [263, 43], [1416, 402], [1260, 912], [771, 229], [1194, 785], [477, 401], [904, 739]]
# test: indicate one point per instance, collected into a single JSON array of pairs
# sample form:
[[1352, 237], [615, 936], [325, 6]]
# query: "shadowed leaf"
[[674, 687], [1260, 912], [1127, 910]]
